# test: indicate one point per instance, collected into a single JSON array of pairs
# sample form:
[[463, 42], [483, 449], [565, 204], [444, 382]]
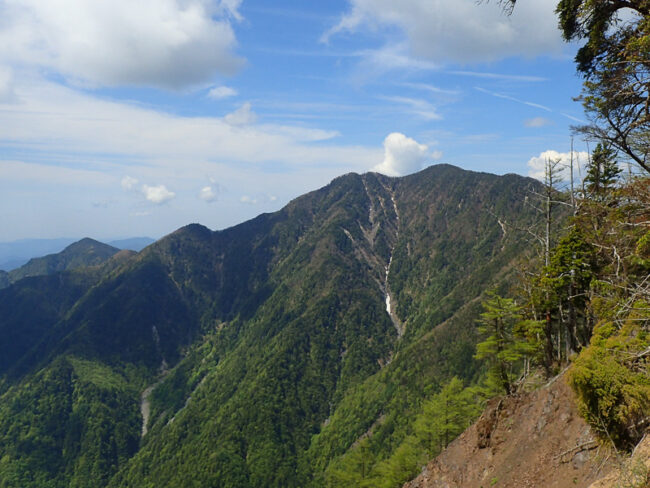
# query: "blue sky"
[[124, 118]]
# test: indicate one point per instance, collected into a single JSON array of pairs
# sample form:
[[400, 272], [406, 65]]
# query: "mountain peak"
[[308, 313], [88, 243], [83, 253]]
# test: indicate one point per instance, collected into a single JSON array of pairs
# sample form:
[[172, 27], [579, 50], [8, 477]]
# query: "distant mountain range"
[[260, 355], [14, 254]]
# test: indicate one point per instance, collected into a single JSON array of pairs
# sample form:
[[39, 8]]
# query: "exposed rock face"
[[532, 440]]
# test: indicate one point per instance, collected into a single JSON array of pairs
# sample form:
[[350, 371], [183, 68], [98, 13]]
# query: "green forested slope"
[[269, 344], [81, 254]]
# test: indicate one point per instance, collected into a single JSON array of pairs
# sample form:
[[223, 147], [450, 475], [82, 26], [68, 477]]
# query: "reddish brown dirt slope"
[[535, 440]]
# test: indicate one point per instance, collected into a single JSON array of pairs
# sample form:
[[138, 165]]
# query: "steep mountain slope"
[[80, 254], [265, 350], [16, 253], [30, 308], [536, 440]]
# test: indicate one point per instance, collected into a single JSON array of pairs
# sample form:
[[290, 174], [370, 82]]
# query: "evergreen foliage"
[[602, 171], [589, 304], [72, 424], [438, 421], [612, 379], [501, 348]]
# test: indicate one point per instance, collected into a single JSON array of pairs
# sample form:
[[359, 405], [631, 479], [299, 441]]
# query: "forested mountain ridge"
[[83, 253], [268, 345]]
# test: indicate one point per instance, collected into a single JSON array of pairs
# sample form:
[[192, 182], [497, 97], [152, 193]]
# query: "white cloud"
[[537, 164], [166, 43], [460, 31], [208, 194], [128, 183], [157, 194], [248, 200], [221, 92], [403, 155], [244, 115], [537, 122]]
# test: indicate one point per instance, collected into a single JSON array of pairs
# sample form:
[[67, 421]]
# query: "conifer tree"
[[501, 348], [602, 171], [445, 416]]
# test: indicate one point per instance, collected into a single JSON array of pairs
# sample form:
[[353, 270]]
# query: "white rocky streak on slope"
[[390, 308], [503, 228], [386, 286], [370, 234], [145, 408], [145, 404]]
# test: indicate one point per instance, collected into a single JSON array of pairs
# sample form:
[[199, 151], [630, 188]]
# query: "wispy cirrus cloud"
[[431, 88], [514, 99], [498, 76], [416, 106], [24, 171], [571, 117], [56, 119]]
